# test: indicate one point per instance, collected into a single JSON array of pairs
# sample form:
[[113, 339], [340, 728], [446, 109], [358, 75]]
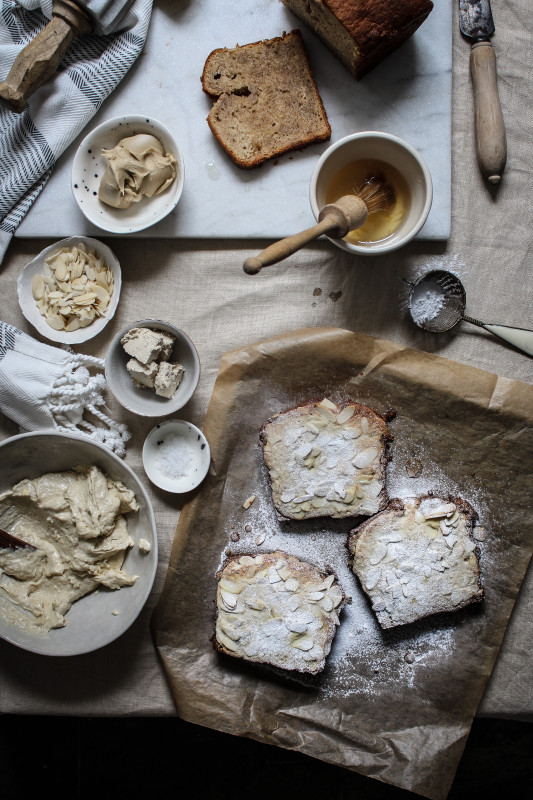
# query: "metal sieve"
[[437, 302]]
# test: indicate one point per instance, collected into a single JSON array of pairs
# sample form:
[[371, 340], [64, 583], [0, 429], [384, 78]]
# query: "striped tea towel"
[[42, 386], [31, 142]]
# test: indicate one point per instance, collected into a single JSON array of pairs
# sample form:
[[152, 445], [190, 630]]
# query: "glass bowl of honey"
[[387, 169]]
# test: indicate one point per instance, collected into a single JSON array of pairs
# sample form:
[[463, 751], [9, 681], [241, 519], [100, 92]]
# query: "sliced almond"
[[228, 599], [72, 325], [365, 458], [225, 641], [55, 321], [37, 286], [230, 586], [345, 415], [326, 403], [442, 511]]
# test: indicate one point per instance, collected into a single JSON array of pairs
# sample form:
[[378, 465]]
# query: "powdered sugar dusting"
[[361, 649], [430, 455], [426, 304], [449, 263]]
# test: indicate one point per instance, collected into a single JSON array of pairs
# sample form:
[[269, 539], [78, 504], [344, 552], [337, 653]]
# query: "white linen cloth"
[[48, 387], [31, 142], [201, 287]]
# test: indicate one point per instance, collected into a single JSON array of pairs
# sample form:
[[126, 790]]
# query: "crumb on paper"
[[248, 502]]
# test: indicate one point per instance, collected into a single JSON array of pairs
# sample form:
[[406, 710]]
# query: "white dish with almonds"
[[64, 306]]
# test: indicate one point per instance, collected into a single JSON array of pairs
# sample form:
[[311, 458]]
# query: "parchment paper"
[[395, 705]]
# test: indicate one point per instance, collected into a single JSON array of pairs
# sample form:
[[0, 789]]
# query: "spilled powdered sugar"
[[365, 661], [363, 657]]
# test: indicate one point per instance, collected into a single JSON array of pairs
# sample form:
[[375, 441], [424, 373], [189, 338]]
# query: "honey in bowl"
[[382, 224]]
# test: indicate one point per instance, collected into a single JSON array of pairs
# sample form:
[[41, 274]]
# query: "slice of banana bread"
[[327, 460], [275, 609], [267, 102], [417, 557]]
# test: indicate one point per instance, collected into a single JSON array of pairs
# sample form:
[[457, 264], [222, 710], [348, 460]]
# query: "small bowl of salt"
[[176, 456]]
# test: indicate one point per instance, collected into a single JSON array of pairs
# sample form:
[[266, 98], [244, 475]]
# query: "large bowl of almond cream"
[[92, 555]]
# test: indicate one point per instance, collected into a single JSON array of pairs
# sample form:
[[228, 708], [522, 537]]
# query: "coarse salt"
[[174, 457]]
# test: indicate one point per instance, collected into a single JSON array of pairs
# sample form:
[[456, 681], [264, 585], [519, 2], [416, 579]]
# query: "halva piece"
[[167, 379], [147, 345], [143, 374], [149, 366]]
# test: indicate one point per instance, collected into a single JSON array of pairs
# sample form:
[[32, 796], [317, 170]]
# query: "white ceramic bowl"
[[146, 402], [391, 150], [89, 166], [92, 622], [36, 266], [176, 456]]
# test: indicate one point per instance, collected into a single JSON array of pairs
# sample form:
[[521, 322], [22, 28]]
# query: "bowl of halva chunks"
[[152, 368]]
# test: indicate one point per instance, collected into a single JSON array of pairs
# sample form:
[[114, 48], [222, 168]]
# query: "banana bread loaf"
[[362, 33]]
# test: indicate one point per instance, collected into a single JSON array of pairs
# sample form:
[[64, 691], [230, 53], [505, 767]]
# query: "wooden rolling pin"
[[39, 60]]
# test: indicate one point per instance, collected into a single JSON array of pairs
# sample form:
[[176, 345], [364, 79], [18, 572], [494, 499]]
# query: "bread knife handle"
[[38, 61], [491, 146]]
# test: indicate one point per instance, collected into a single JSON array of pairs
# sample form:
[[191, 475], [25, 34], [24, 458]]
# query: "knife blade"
[[477, 25], [39, 60]]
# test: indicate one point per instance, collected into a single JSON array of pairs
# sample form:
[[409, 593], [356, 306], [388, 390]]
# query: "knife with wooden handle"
[[39, 60], [477, 25]]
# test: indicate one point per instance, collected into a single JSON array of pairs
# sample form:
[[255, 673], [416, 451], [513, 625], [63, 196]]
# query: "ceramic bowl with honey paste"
[[347, 163]]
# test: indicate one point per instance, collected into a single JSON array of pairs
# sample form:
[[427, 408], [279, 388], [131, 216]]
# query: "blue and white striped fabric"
[[31, 142]]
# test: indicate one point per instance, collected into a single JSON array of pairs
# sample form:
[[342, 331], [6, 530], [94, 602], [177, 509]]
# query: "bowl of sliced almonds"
[[70, 291]]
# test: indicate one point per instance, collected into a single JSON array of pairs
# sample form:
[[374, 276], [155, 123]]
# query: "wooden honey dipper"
[[335, 220]]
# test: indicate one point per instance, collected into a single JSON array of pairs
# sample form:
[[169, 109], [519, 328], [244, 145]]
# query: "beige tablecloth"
[[200, 285]]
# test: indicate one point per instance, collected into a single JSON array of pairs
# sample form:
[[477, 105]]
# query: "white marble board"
[[408, 94]]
